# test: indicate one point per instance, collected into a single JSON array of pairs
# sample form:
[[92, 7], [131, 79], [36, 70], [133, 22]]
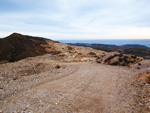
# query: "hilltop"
[[17, 46]]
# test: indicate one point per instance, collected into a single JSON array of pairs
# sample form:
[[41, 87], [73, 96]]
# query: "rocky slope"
[[17, 46], [115, 58]]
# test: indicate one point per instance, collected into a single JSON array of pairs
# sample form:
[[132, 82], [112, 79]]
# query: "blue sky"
[[76, 19]]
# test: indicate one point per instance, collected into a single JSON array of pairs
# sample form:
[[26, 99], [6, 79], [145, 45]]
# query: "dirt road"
[[79, 88]]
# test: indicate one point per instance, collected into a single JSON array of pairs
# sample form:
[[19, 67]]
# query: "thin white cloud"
[[77, 19]]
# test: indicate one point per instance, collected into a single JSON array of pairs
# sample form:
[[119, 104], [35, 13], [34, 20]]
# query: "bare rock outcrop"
[[114, 58]]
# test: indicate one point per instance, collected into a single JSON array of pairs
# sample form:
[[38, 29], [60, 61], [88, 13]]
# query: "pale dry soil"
[[78, 88]]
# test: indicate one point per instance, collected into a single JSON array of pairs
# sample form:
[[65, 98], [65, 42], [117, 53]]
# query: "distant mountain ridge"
[[134, 49], [126, 46]]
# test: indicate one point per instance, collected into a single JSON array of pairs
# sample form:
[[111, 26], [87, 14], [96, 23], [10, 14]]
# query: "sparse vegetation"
[[120, 59], [109, 58], [105, 49], [55, 52], [136, 50], [70, 48], [61, 55], [92, 53], [57, 66], [143, 52]]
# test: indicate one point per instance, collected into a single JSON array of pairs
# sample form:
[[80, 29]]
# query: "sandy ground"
[[76, 88]]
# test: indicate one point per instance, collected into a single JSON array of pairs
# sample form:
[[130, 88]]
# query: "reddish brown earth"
[[41, 84]]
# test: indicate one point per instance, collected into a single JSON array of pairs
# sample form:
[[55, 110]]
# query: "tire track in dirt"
[[48, 79], [76, 90], [91, 88]]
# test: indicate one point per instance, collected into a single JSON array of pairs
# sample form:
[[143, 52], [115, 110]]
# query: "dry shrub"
[[92, 53], [57, 66]]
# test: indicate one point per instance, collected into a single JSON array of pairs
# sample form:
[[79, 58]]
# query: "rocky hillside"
[[134, 49], [115, 58], [17, 46]]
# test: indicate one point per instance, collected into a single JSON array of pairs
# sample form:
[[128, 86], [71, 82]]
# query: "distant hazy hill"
[[111, 46], [135, 49]]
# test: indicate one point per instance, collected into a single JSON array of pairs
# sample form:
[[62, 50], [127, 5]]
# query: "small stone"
[[27, 105], [140, 104], [146, 101]]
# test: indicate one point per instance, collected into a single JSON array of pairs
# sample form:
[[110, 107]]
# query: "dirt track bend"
[[89, 87]]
